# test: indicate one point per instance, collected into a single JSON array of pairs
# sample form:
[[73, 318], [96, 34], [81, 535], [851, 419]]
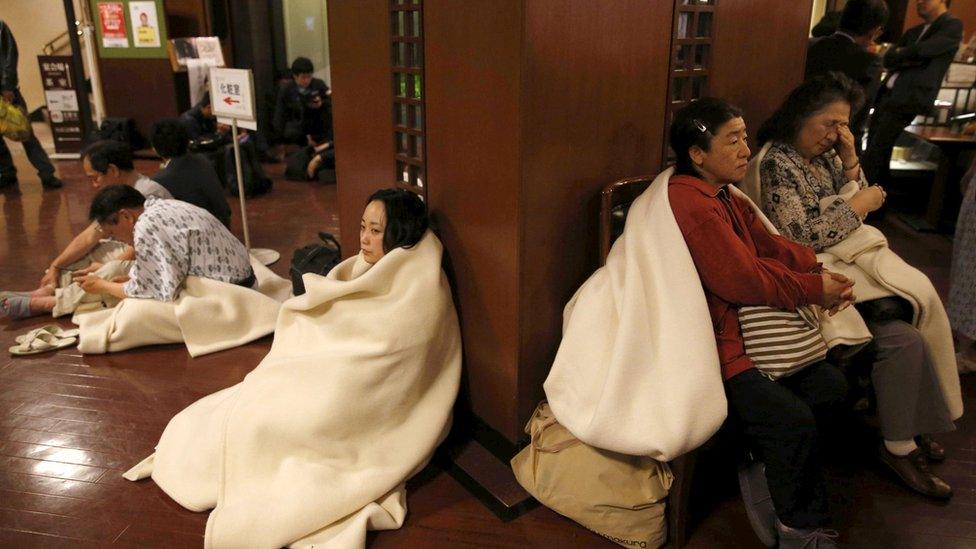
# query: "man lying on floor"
[[314, 446], [105, 163], [189, 270]]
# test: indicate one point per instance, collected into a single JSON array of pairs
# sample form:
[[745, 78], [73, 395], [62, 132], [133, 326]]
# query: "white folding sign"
[[232, 96]]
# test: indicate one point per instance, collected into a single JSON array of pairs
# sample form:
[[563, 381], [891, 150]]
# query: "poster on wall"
[[62, 102], [111, 17], [145, 24]]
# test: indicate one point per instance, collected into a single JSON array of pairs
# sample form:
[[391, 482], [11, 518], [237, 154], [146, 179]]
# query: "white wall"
[[33, 23], [306, 34]]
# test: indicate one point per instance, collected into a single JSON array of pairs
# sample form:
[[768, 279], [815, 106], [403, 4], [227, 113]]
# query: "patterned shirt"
[[791, 192], [174, 240]]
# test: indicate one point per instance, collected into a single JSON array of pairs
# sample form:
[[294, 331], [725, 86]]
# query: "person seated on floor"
[[351, 401], [814, 191], [303, 107], [172, 240], [104, 162], [189, 177], [741, 263]]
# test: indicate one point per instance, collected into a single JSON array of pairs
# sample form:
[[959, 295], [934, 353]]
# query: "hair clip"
[[698, 124]]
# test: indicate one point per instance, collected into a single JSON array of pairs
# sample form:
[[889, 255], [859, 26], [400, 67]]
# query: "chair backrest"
[[615, 200]]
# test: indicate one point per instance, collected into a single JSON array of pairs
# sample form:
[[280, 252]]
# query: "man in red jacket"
[[740, 263]]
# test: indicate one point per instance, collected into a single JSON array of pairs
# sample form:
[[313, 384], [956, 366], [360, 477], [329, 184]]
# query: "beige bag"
[[617, 496]]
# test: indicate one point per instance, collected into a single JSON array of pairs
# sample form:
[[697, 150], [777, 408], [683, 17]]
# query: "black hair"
[[111, 199], [808, 99], [863, 16], [406, 218], [169, 138], [827, 25], [302, 65], [948, 3], [696, 124], [105, 152]]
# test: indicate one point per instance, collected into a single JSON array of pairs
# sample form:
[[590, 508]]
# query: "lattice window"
[[408, 94], [691, 56]]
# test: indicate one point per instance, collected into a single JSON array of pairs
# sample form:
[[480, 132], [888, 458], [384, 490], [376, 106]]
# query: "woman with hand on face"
[[811, 157]]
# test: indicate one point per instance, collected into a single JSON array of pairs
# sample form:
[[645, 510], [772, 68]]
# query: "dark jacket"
[[198, 125], [293, 119], [838, 52], [921, 64], [8, 59], [191, 178]]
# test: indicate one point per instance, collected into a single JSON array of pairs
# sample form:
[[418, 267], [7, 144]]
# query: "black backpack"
[[314, 258], [122, 130]]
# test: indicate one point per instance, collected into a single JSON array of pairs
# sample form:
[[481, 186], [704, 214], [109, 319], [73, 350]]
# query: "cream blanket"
[[209, 316], [313, 446], [637, 371], [879, 272]]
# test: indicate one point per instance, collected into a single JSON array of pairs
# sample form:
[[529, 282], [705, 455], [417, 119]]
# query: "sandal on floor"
[[53, 329], [16, 307], [39, 341]]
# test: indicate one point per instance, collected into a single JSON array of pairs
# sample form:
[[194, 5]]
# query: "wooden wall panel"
[[756, 70], [594, 87], [472, 68], [362, 108], [144, 90]]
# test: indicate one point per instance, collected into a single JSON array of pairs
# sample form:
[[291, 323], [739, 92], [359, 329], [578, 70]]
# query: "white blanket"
[[314, 446], [879, 272], [637, 371], [208, 315]]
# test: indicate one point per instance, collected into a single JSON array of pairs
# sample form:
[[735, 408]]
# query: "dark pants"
[[779, 420], [886, 126], [35, 153]]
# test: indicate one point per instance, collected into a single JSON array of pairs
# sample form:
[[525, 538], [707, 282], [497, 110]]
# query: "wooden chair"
[[615, 201]]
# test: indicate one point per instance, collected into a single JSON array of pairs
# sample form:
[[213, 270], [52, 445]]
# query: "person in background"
[[10, 90], [172, 240], [826, 26], [962, 276], [187, 176], [303, 108], [848, 51], [105, 163], [916, 65]]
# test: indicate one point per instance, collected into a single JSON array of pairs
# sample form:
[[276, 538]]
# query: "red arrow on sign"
[[230, 101]]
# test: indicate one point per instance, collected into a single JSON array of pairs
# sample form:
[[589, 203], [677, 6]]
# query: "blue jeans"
[[35, 153]]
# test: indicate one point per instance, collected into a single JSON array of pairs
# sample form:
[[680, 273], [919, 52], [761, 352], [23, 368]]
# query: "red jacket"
[[739, 262]]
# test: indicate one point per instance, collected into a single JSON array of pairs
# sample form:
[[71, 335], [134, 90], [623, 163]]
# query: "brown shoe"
[[932, 449], [913, 470]]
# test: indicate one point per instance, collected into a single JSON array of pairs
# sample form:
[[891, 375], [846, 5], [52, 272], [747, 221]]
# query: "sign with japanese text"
[[232, 96], [62, 102], [111, 17]]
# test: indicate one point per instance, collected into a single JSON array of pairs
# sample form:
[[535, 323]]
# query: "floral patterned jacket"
[[791, 192]]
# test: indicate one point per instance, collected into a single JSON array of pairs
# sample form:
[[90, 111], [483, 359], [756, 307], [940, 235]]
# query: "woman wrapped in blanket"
[[314, 446], [741, 263], [814, 191]]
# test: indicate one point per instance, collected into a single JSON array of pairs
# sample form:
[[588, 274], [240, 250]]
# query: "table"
[[952, 143]]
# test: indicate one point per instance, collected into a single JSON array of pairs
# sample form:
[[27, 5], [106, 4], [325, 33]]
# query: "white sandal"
[[39, 341], [53, 329]]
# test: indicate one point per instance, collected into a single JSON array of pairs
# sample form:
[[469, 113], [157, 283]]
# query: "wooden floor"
[[70, 424]]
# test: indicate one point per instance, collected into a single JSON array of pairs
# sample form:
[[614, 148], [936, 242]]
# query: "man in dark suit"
[[847, 51], [188, 177], [916, 65]]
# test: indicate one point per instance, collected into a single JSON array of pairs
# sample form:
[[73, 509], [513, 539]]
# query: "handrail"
[[49, 48]]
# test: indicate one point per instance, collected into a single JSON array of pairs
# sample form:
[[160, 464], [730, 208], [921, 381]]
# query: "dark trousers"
[[779, 421], [35, 153], [886, 126]]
